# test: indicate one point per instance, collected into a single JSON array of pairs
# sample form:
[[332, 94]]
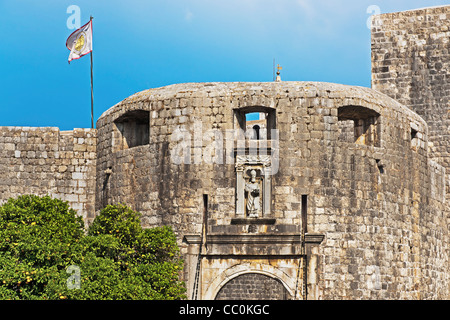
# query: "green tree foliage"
[[41, 237]]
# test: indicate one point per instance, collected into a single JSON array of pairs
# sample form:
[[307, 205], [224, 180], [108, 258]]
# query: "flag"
[[80, 42]]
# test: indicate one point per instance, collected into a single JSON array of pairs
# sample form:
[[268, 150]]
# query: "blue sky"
[[141, 44]]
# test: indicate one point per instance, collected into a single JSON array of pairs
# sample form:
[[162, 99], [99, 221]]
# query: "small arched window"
[[359, 124], [134, 128], [256, 122], [256, 129]]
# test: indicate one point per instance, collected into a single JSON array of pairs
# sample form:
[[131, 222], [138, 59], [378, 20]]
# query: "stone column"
[[267, 195], [240, 196]]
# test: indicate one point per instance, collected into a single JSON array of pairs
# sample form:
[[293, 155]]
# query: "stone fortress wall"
[[376, 225], [45, 161], [411, 64], [353, 201]]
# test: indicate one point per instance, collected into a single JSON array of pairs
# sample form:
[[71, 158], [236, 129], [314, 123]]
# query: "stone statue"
[[253, 196]]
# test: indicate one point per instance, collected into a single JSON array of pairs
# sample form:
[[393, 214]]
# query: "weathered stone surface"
[[411, 63], [364, 175], [371, 199], [45, 161], [253, 286]]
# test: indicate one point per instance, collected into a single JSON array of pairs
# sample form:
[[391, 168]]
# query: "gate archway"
[[253, 286]]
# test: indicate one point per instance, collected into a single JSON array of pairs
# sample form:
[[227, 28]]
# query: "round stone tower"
[[332, 195]]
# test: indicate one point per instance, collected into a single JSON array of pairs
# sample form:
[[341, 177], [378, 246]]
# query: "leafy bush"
[[41, 237]]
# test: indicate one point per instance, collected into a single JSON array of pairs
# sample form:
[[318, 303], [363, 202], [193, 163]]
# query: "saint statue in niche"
[[253, 190]]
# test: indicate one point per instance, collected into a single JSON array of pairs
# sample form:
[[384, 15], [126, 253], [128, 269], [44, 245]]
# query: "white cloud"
[[188, 16], [306, 7], [326, 17]]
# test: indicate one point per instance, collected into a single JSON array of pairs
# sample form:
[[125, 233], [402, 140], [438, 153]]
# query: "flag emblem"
[[80, 42]]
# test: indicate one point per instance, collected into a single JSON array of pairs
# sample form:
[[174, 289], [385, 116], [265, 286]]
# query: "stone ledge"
[[241, 245], [253, 221], [313, 238], [253, 226], [192, 239]]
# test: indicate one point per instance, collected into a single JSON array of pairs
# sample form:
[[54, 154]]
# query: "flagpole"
[[92, 84]]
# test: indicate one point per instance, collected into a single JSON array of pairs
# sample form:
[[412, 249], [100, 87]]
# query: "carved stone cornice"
[[254, 244]]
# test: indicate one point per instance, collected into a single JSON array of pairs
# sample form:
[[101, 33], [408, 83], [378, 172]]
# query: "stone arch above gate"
[[269, 272], [253, 286]]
